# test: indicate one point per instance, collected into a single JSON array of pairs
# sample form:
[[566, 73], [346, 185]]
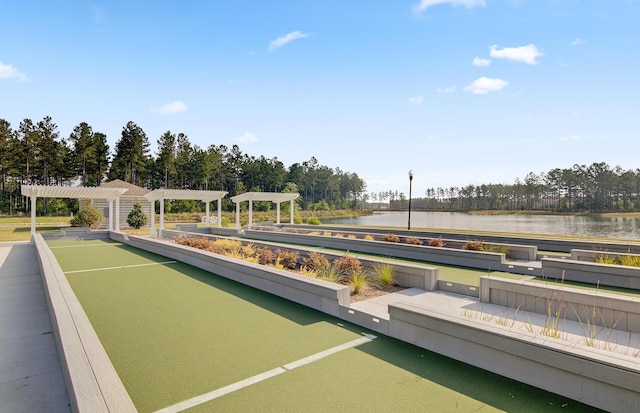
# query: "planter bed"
[[592, 256], [317, 294], [516, 252], [406, 275], [592, 272], [600, 378], [589, 307], [470, 259]]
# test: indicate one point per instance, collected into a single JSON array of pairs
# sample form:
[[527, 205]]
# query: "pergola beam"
[[75, 192], [204, 196], [275, 197]]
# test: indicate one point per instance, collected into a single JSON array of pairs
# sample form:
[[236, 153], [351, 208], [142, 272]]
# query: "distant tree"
[[101, 156], [83, 150], [137, 218], [165, 162], [131, 160]]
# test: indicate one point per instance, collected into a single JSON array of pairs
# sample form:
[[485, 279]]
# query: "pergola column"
[[110, 214], [250, 213], [237, 215], [152, 213], [291, 213], [117, 217], [33, 214], [277, 212], [161, 216], [219, 213], [207, 213]]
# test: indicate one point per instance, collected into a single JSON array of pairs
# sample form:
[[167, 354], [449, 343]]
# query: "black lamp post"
[[410, 181]]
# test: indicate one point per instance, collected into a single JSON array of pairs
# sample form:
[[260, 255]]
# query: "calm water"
[[589, 226]]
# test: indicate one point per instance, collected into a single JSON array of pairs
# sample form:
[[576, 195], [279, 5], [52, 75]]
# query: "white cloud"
[[281, 41], [485, 85], [478, 62], [425, 4], [172, 108], [525, 54], [247, 137], [450, 89], [577, 41], [10, 72], [416, 100]]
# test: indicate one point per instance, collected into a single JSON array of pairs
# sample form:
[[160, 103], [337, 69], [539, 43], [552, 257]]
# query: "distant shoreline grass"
[[526, 212]]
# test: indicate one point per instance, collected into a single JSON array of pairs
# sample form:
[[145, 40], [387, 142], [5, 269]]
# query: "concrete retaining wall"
[[317, 294], [589, 376], [92, 382], [592, 272], [457, 288], [406, 275], [588, 307], [74, 233], [377, 324]]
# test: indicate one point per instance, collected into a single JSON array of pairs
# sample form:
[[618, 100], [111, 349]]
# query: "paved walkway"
[[31, 378]]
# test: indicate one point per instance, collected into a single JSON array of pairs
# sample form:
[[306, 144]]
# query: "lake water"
[[588, 226]]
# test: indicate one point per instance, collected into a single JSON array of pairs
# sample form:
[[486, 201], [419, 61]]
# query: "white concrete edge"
[[92, 382]]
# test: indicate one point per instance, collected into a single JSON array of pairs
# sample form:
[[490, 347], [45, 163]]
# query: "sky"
[[458, 91]]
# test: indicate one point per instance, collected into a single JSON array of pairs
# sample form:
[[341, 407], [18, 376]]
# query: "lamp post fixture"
[[410, 182]]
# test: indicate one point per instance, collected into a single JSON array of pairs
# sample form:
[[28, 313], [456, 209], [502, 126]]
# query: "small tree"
[[137, 218], [89, 216]]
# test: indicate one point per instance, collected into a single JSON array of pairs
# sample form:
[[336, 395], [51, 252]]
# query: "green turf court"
[[175, 333]]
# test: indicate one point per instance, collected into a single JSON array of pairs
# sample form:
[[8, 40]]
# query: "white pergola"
[[204, 196], [78, 192], [275, 197]]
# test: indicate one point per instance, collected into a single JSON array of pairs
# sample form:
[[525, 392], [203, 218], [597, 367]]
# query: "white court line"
[[86, 245], [120, 267], [203, 398], [326, 353]]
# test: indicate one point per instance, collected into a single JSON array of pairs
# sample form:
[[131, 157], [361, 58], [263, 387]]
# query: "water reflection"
[[588, 226]]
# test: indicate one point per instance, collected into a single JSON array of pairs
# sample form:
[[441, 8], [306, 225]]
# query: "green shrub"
[[348, 265], [606, 259], [89, 216], [630, 260], [385, 273], [358, 281], [137, 218], [316, 261], [297, 219], [330, 273], [265, 256], [288, 259], [500, 249], [391, 238], [313, 221], [474, 245]]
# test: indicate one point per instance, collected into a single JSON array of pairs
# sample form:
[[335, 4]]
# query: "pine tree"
[[137, 218]]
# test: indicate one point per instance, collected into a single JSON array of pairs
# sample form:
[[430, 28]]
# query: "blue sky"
[[460, 91]]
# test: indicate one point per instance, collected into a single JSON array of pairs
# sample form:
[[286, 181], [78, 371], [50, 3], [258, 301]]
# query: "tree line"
[[37, 154], [581, 188]]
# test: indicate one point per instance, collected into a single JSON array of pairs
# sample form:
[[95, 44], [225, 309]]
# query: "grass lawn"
[[174, 332], [13, 228]]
